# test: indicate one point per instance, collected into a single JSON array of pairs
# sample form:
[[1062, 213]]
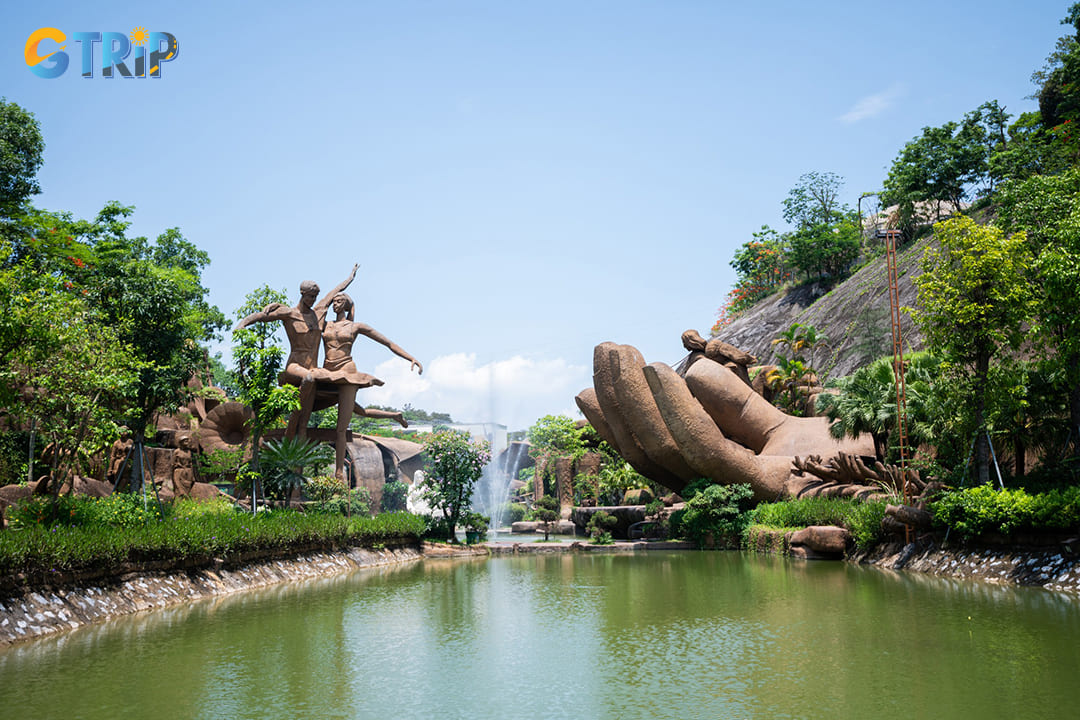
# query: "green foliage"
[[63, 368], [259, 359], [1047, 211], [39, 550], [285, 461], [323, 487], [599, 527], [547, 512], [454, 465], [815, 200], [974, 299], [795, 373], [119, 510], [21, 150], [616, 476], [220, 464], [395, 496], [865, 402], [939, 165], [354, 503], [476, 523], [556, 433], [515, 512], [862, 519], [977, 510], [718, 512]]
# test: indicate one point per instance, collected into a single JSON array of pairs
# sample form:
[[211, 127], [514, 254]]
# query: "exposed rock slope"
[[854, 316]]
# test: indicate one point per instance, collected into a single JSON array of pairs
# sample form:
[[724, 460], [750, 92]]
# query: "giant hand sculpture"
[[709, 424]]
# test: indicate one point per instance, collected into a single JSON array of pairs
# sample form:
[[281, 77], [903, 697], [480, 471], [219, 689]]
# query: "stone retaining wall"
[[1055, 568], [38, 613]]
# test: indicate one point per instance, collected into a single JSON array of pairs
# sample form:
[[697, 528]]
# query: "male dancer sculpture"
[[303, 325]]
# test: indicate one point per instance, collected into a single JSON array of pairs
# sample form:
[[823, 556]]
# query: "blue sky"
[[519, 181]]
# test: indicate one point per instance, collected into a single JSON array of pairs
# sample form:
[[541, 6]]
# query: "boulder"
[[638, 496], [824, 539], [204, 491]]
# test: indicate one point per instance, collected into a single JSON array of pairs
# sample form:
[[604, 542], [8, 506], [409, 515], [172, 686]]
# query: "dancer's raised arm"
[[329, 297]]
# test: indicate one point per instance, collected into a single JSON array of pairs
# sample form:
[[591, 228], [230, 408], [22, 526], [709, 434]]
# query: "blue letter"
[[112, 55], [87, 39], [159, 55]]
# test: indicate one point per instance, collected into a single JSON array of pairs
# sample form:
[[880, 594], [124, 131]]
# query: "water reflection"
[[676, 635]]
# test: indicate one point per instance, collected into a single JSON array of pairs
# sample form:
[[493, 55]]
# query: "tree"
[[556, 433], [814, 200], [63, 371], [1047, 210], [453, 466], [547, 512], [939, 165], [286, 459], [258, 360], [973, 301], [21, 148], [865, 402]]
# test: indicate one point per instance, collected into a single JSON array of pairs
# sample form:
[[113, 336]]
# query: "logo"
[[46, 58]]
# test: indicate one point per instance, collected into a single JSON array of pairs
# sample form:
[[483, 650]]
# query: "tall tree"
[[21, 148], [1047, 209], [974, 299], [815, 200]]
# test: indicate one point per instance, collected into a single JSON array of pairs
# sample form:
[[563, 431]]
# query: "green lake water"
[[649, 635]]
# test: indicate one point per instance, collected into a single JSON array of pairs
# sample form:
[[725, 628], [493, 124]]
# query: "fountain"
[[492, 494]]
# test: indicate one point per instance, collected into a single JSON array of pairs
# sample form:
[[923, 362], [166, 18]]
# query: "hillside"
[[854, 315]]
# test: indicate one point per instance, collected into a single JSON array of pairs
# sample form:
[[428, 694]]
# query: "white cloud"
[[872, 105], [515, 391]]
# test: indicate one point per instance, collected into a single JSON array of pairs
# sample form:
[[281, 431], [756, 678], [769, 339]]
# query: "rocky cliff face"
[[854, 316]]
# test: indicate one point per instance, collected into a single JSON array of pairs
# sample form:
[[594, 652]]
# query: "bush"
[[516, 512], [719, 511], [356, 502], [599, 527], [973, 511], [395, 496], [119, 510], [862, 519], [322, 488]]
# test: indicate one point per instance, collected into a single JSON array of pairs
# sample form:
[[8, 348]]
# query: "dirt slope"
[[854, 316]]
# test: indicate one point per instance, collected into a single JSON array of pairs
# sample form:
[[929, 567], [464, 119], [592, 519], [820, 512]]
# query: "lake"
[[645, 635]]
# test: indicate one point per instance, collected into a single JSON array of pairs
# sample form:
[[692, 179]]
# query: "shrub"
[[356, 502], [119, 510], [973, 511], [861, 518], [322, 488], [395, 496], [599, 527], [719, 511], [516, 512]]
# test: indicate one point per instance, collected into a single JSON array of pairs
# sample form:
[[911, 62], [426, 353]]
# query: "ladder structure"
[[891, 238]]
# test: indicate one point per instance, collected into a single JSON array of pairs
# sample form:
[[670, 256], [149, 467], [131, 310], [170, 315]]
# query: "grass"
[[187, 534], [861, 518]]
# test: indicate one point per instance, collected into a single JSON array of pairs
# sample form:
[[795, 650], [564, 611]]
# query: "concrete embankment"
[[1054, 568], [39, 612]]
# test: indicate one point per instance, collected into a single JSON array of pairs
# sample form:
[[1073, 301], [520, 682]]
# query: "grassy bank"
[[83, 540]]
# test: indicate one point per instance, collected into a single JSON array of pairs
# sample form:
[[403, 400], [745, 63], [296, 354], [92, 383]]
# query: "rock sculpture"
[[336, 382], [708, 422]]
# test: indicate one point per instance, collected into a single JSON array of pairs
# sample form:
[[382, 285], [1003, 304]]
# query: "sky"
[[519, 181]]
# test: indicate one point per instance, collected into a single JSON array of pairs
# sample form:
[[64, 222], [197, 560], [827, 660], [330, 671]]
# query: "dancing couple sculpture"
[[337, 381]]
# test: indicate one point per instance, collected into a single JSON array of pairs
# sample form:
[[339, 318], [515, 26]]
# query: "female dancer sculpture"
[[338, 368]]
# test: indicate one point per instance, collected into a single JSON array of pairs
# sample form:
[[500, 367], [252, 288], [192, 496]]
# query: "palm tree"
[[285, 462], [866, 402]]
